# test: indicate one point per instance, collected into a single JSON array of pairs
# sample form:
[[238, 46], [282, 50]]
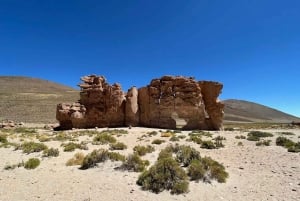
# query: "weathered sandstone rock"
[[169, 102]]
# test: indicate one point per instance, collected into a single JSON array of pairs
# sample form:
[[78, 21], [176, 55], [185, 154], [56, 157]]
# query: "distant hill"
[[32, 100], [245, 111]]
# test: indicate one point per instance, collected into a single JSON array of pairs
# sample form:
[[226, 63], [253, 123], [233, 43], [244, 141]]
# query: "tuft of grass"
[[196, 170], [143, 150], [240, 144], [157, 141], [240, 137], [32, 163], [50, 152], [289, 144], [208, 145], [24, 130], [96, 156], [114, 156], [260, 134], [214, 169], [118, 146], [62, 136], [263, 143], [219, 141], [200, 133], [186, 154], [174, 138], [133, 162], [165, 174], [104, 138], [286, 133], [71, 146], [3, 138], [152, 133], [76, 160], [30, 147], [167, 134]]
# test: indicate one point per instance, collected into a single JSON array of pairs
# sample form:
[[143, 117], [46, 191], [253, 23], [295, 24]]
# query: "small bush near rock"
[[165, 174], [104, 138], [30, 147], [76, 160], [143, 150], [158, 141], [32, 163], [133, 162], [50, 152], [118, 146], [260, 134]]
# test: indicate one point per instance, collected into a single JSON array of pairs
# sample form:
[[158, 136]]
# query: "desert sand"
[[255, 172]]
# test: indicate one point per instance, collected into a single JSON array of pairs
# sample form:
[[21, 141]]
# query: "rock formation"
[[168, 102]]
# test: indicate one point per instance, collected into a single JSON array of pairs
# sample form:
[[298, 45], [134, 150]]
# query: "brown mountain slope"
[[32, 100], [245, 111]]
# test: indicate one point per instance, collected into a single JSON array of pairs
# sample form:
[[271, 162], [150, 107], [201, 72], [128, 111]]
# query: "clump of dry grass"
[[76, 160]]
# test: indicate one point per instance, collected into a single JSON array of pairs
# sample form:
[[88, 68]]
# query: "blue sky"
[[251, 46]]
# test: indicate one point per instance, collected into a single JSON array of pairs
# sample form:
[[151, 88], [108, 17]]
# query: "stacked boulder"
[[168, 102]]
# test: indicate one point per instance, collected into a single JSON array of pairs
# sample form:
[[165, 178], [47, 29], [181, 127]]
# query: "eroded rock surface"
[[168, 102]]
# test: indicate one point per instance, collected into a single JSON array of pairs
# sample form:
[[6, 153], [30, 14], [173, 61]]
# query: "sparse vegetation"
[[133, 162], [104, 138], [165, 174], [196, 170], [289, 144], [208, 144], [76, 160], [186, 154], [30, 147], [286, 133], [71, 146], [263, 143], [158, 141], [143, 150], [50, 152], [3, 138], [240, 144], [240, 137], [152, 133], [118, 146], [174, 138], [11, 167], [32, 163], [214, 170], [114, 156]]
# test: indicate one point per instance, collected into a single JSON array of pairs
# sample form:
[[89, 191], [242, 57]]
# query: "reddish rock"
[[169, 102]]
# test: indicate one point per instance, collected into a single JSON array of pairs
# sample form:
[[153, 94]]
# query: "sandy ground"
[[255, 173]]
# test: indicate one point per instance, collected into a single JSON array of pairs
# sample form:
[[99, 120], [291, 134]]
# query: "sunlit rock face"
[[172, 102]]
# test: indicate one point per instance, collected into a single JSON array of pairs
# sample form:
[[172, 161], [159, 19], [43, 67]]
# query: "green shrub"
[[50, 152], [284, 142], [295, 148], [214, 169], [3, 139], [186, 154], [71, 146], [143, 150], [260, 134], [32, 163], [62, 136], [165, 174], [133, 162], [158, 141], [113, 156], [253, 138], [118, 146], [152, 133], [76, 160], [219, 141], [208, 145], [240, 144], [25, 130], [30, 147], [200, 133], [174, 138], [96, 156], [263, 143], [196, 170], [103, 138], [195, 138], [240, 137], [286, 133]]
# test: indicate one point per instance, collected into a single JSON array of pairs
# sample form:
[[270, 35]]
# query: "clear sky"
[[251, 46]]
